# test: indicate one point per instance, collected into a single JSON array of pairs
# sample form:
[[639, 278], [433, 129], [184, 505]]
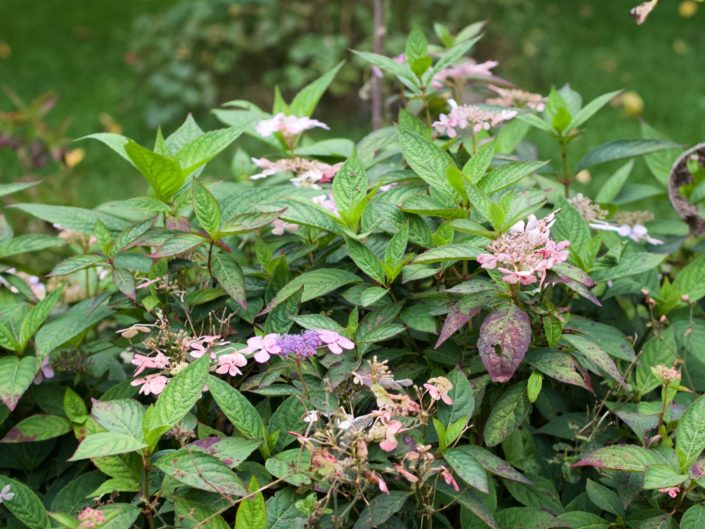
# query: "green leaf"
[[291, 466], [202, 149], [571, 226], [237, 408], [228, 274], [507, 415], [596, 355], [112, 485], [471, 502], [630, 265], [619, 149], [417, 51], [690, 435], [315, 283], [628, 458], [303, 211], [201, 471], [304, 103], [123, 416], [534, 385], [31, 242], [73, 322], [507, 175], [390, 66], [15, 377], [179, 396], [25, 505], [467, 468], [116, 142], [177, 244], [428, 161], [613, 185], [36, 317], [76, 219], [163, 173], [350, 190], [119, 516], [365, 260], [193, 515], [381, 508], [252, 513], [288, 417], [206, 208], [464, 251], [662, 477], [282, 512], [583, 520], [592, 108], [37, 428], [493, 464], [77, 263], [8, 189], [694, 517], [106, 444], [604, 498], [74, 407], [230, 450], [463, 400]]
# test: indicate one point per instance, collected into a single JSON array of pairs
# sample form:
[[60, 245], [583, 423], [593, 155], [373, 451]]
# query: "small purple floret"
[[304, 344]]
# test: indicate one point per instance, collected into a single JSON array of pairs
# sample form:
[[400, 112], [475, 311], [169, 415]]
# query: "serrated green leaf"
[[237, 409], [37, 428], [25, 505], [106, 444], [15, 377], [228, 274]]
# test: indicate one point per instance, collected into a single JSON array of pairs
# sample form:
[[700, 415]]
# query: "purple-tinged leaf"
[[505, 336], [456, 318], [595, 355], [629, 458]]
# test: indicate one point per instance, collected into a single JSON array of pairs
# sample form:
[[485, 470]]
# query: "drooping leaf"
[[620, 149], [505, 336], [228, 274], [237, 408]]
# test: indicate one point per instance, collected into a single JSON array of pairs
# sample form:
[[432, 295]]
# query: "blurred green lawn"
[[76, 49]]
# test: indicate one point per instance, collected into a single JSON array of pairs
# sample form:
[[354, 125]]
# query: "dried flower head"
[[587, 208], [666, 374], [526, 252], [632, 218]]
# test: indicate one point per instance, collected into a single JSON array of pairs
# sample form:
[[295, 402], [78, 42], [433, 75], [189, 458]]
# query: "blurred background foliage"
[[73, 67]]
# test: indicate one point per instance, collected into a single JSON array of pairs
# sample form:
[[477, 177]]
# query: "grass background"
[[76, 49]]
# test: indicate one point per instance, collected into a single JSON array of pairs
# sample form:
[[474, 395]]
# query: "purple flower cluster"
[[304, 344]]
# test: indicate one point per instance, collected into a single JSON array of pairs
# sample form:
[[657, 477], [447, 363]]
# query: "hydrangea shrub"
[[427, 328]]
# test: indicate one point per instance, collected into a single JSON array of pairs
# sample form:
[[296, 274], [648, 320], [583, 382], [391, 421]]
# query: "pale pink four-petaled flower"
[[151, 384], [160, 361], [288, 126], [279, 227], [263, 347], [45, 371], [526, 253], [636, 233], [6, 493], [335, 342], [231, 363], [671, 491]]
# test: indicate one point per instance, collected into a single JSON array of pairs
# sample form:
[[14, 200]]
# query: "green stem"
[[564, 163]]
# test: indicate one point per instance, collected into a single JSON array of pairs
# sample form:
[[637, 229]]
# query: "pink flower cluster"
[[671, 491], [526, 252], [512, 97], [467, 69], [309, 173], [473, 117], [288, 126], [90, 518]]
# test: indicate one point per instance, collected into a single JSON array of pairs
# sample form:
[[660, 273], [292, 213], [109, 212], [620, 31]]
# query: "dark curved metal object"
[[680, 175]]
